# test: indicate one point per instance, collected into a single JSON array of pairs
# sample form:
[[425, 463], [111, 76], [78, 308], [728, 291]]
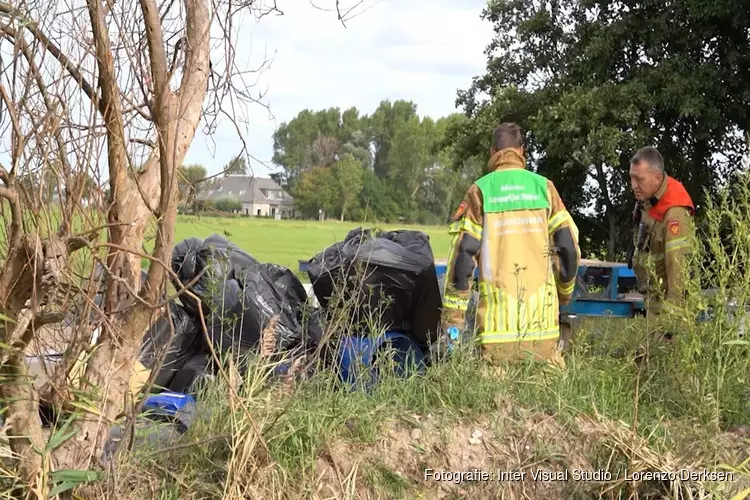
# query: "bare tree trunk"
[[601, 178], [176, 116], [139, 192], [23, 427], [28, 281]]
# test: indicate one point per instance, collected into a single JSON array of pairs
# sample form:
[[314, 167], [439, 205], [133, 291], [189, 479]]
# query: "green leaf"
[[61, 488], [60, 436], [735, 469], [77, 475], [3, 317], [737, 342], [87, 407], [68, 479]]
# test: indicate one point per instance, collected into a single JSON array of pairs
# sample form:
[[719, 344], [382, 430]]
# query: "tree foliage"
[[314, 191], [227, 205], [347, 175], [236, 166], [594, 81], [590, 82], [190, 181], [388, 166]]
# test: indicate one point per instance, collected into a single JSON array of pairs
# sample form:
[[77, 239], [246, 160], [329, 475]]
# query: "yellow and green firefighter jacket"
[[513, 225]]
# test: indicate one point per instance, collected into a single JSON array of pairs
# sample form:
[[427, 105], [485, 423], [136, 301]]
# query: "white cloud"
[[419, 50]]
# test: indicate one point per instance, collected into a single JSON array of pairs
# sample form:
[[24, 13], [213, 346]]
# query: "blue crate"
[[175, 407], [357, 357], [610, 305], [602, 307]]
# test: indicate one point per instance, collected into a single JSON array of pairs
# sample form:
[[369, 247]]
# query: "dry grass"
[[686, 407]]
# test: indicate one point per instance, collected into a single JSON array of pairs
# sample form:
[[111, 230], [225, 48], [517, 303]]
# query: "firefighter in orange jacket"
[[513, 225], [664, 231]]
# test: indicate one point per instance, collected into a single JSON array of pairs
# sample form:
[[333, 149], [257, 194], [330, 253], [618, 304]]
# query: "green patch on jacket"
[[513, 189]]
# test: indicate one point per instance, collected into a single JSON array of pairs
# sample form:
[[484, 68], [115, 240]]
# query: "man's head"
[[507, 135], [646, 173]]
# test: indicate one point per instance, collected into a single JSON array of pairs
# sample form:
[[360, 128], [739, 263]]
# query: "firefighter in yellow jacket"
[[513, 225]]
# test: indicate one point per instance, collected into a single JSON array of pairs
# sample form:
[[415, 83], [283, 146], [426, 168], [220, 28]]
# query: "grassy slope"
[[689, 406], [600, 413]]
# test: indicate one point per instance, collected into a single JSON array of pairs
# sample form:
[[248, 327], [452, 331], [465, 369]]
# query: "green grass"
[[581, 417], [686, 406], [286, 242]]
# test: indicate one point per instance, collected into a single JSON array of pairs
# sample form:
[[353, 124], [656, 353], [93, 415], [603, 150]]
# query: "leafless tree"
[[100, 101]]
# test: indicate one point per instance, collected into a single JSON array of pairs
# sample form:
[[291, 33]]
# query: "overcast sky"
[[418, 50]]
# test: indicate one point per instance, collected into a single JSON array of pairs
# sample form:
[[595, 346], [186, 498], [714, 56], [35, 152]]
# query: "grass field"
[[602, 418], [286, 242]]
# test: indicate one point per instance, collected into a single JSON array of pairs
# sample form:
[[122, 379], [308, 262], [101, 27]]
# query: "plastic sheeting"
[[240, 297], [390, 275], [180, 347]]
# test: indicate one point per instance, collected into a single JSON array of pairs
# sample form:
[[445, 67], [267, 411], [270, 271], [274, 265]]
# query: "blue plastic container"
[[174, 407], [167, 403], [358, 356]]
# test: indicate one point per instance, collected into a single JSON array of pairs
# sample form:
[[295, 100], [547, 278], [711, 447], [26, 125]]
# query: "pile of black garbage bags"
[[390, 276], [386, 279]]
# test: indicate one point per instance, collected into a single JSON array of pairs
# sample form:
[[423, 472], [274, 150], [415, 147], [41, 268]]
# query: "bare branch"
[[17, 133], [143, 71], [158, 58], [344, 13], [16, 217], [145, 142], [50, 46]]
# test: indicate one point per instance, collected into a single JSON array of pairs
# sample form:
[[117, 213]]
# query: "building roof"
[[248, 189]]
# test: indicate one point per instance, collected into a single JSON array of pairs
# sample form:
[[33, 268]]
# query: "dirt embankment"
[[514, 455]]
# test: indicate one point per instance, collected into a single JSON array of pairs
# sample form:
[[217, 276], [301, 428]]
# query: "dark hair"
[[507, 135], [650, 155]]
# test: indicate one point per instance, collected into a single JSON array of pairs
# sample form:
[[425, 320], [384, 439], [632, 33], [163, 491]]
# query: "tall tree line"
[[589, 81], [392, 165], [592, 81]]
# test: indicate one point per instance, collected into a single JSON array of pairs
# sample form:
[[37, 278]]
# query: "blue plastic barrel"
[[358, 355]]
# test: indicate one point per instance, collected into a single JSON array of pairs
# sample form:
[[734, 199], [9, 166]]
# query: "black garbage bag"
[[203, 266], [238, 259], [391, 275], [186, 342], [247, 306], [279, 293], [234, 323], [240, 296], [187, 380]]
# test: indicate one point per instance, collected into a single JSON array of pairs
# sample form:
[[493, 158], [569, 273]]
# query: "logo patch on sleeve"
[[674, 227], [460, 211]]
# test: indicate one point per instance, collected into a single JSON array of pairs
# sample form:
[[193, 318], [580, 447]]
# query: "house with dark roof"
[[258, 196]]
